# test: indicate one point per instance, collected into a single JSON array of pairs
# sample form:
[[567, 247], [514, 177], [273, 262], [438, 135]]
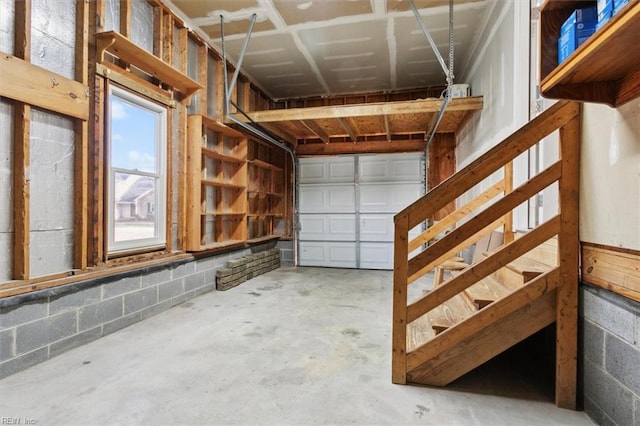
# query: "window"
[[137, 140]]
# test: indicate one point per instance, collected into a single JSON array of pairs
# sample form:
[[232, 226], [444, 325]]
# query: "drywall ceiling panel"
[[417, 64], [208, 8], [283, 70], [296, 12], [403, 5], [235, 28], [349, 55]]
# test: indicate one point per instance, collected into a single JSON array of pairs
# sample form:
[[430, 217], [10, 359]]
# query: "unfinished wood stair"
[[511, 293]]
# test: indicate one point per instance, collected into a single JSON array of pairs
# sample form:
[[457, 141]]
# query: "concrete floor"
[[294, 346]]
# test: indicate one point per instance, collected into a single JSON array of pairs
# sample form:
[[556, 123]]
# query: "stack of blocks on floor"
[[247, 267]]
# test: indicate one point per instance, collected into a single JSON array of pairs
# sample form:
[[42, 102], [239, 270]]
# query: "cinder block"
[[125, 285], [194, 281], [637, 411], [609, 316], [622, 361], [45, 331], [75, 300], [155, 278], [178, 300], [614, 400], [140, 299], [74, 341], [593, 343], [596, 414], [7, 348], [156, 309], [121, 323], [23, 313], [209, 287], [206, 264], [99, 313], [23, 362], [171, 289], [183, 270]]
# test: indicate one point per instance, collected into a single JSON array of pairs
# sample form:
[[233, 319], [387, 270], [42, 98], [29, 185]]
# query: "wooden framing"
[[442, 164], [21, 140], [336, 148], [612, 268]]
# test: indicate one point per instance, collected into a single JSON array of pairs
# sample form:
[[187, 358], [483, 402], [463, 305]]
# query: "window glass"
[[137, 199]]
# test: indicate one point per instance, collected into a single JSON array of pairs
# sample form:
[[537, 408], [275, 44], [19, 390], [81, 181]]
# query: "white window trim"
[[160, 240]]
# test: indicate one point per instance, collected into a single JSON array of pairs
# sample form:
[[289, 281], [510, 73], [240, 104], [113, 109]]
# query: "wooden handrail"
[[484, 268], [456, 239], [452, 218], [531, 133]]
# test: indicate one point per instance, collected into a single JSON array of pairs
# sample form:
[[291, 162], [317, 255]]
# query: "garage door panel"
[[376, 227], [327, 199], [328, 227], [335, 254], [376, 255], [327, 170], [388, 198], [390, 168]]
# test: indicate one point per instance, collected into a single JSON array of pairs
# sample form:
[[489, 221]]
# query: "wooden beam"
[[612, 268], [182, 142], [337, 148], [316, 129], [21, 144], [125, 18], [135, 83], [508, 224], [568, 259], [81, 142], [399, 333], [167, 38], [193, 185], [442, 165], [350, 127], [34, 85], [365, 110], [387, 128], [203, 63], [158, 32]]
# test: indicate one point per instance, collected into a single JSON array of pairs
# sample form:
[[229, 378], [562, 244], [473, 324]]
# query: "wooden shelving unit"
[[265, 194], [120, 46], [216, 185], [604, 69]]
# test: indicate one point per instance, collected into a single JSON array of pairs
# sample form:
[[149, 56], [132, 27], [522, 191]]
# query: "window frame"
[[159, 241]]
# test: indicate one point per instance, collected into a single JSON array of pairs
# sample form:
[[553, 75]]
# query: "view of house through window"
[[137, 199]]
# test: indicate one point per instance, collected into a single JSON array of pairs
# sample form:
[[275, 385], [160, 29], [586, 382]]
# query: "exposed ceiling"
[[304, 48]]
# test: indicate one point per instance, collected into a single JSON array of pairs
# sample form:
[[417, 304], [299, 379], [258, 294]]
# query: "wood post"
[[400, 268], [568, 252], [508, 188]]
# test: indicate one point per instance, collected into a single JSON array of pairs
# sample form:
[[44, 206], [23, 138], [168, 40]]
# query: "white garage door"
[[346, 207]]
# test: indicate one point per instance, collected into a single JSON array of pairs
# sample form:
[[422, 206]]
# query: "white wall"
[[499, 71], [610, 175]]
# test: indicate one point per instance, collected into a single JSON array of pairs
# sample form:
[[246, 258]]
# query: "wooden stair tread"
[[486, 291], [419, 332], [525, 266], [451, 312]]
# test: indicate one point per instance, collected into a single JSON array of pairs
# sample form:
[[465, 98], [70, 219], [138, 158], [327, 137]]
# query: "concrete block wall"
[[286, 252], [40, 325], [610, 356]]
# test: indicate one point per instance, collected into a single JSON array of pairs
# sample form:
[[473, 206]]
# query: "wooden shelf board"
[[228, 243], [220, 127], [263, 239], [210, 182], [605, 68], [222, 157], [118, 45], [264, 165], [222, 214]]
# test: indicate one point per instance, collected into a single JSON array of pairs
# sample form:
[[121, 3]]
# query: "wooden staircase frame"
[[557, 287]]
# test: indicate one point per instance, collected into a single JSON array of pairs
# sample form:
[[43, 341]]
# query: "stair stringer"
[[485, 334]]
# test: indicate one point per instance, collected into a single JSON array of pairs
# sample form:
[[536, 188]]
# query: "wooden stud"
[[81, 143], [387, 128], [182, 143], [158, 32], [125, 18], [219, 108], [400, 271], [508, 223], [193, 185], [442, 165], [568, 258], [316, 129], [21, 157], [338, 148], [203, 63], [167, 38]]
